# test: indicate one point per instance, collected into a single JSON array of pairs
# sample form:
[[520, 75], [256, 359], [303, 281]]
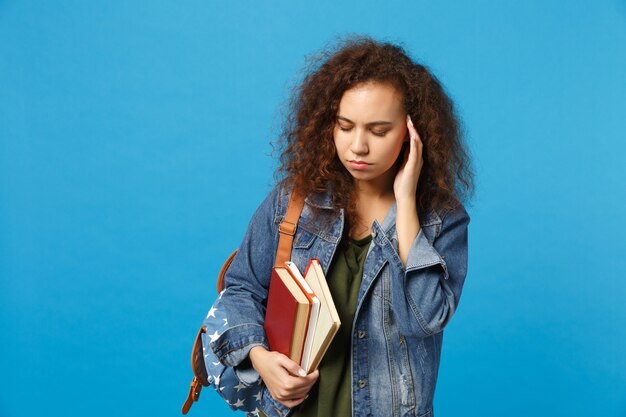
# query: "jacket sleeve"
[[243, 299], [435, 273]]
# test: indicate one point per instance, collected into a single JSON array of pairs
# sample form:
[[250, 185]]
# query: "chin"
[[363, 176]]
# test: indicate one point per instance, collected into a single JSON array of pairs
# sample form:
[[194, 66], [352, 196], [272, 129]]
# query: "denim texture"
[[401, 312]]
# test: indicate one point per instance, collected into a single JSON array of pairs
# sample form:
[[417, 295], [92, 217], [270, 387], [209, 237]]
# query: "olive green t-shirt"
[[331, 394]]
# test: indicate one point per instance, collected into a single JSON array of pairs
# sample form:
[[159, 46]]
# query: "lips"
[[358, 164]]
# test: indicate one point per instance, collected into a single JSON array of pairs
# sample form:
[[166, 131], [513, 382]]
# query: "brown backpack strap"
[[201, 377], [287, 228]]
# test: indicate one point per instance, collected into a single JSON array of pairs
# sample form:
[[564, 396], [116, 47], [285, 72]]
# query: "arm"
[[245, 290], [243, 344], [407, 227], [435, 273], [405, 184]]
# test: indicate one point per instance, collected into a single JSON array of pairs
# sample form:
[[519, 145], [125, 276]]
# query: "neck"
[[379, 189], [373, 200]]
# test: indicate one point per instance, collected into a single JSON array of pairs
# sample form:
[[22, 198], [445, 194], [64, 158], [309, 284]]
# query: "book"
[[286, 315], [328, 319], [301, 319], [313, 315]]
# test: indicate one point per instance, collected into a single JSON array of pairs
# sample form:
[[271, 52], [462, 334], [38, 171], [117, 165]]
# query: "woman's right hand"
[[284, 379]]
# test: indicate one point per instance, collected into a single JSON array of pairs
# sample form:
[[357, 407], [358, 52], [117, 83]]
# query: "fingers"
[[292, 367], [297, 386], [282, 378], [293, 390], [412, 131], [415, 141], [313, 376], [291, 403]]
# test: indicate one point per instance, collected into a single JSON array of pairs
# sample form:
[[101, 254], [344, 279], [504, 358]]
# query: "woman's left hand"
[[405, 183]]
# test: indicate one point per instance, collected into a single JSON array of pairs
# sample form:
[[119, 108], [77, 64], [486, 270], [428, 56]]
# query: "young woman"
[[373, 144]]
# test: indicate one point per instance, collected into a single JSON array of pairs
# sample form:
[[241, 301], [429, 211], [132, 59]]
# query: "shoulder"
[[443, 220], [273, 202], [455, 213], [281, 193]]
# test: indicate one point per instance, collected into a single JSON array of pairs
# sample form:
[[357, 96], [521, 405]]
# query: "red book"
[[286, 315]]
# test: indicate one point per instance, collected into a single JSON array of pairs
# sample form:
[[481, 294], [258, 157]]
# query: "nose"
[[359, 143]]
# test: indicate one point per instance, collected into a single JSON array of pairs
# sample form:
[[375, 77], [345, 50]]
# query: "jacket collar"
[[324, 200], [426, 219]]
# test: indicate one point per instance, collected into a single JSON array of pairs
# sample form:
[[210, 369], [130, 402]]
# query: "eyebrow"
[[375, 123]]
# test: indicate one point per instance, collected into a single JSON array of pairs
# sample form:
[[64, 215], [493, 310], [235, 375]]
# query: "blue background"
[[135, 145]]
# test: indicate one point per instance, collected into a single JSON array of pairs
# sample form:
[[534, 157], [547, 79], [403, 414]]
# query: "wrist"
[[407, 226], [256, 354], [407, 204]]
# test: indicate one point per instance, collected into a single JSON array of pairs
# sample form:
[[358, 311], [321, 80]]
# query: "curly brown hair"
[[308, 158]]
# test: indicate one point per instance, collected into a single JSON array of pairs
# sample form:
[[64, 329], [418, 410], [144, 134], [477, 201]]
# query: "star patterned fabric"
[[238, 396]]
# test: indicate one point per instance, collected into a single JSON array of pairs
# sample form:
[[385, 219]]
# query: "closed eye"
[[380, 133], [347, 129]]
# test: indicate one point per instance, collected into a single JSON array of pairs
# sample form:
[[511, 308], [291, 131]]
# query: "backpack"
[[207, 368]]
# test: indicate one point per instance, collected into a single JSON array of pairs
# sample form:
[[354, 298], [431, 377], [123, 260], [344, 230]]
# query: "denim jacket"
[[401, 312]]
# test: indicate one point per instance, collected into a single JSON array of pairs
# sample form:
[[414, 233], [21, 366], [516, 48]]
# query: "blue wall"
[[134, 146]]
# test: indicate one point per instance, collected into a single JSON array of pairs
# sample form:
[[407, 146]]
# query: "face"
[[369, 132]]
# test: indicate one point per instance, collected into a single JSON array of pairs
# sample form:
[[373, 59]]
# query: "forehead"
[[371, 100]]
